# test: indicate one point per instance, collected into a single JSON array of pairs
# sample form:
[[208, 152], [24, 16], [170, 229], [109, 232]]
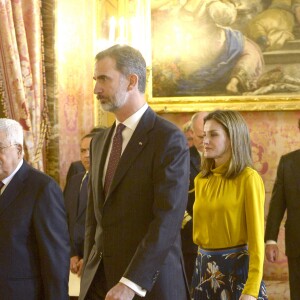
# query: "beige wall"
[[74, 60], [76, 46]]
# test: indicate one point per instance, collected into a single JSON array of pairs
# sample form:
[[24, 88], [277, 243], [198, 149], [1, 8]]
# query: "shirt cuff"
[[136, 288], [270, 242]]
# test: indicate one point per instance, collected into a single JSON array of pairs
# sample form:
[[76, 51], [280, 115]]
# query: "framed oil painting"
[[228, 54]]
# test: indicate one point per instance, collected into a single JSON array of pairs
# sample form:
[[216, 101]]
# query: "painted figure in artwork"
[[273, 27], [209, 57]]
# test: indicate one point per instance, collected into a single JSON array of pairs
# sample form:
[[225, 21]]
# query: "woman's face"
[[216, 142]]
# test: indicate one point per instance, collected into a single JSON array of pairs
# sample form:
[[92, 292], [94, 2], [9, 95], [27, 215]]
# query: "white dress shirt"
[[8, 179]]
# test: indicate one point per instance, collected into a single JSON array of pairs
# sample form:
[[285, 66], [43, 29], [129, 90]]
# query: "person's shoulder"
[[291, 155], [194, 152], [77, 177], [165, 123], [40, 178], [249, 171], [101, 134], [73, 185], [167, 128], [151, 120], [75, 167], [76, 164]]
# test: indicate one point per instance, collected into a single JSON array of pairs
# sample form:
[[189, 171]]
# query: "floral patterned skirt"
[[222, 274]]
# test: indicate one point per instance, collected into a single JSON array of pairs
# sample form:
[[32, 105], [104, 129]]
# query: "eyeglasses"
[[2, 148]]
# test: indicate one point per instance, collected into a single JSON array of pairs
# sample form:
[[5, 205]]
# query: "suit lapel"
[[100, 147], [82, 197], [136, 144], [14, 188]]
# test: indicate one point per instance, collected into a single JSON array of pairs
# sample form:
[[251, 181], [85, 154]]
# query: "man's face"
[[198, 134], [189, 137], [85, 152], [111, 86], [10, 156]]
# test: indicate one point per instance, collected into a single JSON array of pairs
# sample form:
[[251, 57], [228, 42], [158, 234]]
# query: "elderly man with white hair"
[[34, 251]]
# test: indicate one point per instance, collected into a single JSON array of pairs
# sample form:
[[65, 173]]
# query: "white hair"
[[13, 131]]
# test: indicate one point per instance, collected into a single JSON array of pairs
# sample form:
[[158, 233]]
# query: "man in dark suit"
[[34, 252], [189, 249], [286, 197], [76, 167], [132, 243], [76, 194]]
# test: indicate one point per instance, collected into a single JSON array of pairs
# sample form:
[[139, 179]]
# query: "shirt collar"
[[221, 170], [8, 179], [134, 119]]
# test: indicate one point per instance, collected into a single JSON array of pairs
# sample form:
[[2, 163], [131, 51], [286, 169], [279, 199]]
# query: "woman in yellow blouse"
[[228, 214]]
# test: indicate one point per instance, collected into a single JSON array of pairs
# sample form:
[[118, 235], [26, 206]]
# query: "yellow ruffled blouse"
[[230, 212]]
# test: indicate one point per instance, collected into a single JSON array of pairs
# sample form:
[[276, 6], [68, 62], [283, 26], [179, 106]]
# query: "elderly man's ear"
[[20, 149]]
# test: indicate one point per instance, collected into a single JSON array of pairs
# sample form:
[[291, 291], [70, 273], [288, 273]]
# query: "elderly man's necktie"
[[114, 157]]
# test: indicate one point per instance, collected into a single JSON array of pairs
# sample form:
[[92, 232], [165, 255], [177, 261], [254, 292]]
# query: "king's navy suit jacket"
[[135, 229]]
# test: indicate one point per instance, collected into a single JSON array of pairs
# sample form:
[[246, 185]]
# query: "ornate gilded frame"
[[240, 103]]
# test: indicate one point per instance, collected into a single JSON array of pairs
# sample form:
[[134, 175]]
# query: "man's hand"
[[247, 297], [73, 264], [272, 252], [79, 266], [120, 292]]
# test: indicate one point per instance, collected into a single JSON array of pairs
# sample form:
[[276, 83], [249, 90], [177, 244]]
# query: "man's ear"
[[133, 81], [20, 149]]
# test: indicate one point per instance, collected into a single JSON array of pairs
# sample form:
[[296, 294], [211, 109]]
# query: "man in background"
[[286, 198], [77, 166], [189, 249], [34, 252], [138, 191], [188, 132], [76, 194]]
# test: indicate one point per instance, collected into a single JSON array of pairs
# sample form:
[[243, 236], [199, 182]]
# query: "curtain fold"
[[21, 74]]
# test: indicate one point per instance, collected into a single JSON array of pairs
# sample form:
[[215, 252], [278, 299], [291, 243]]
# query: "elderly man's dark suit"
[[34, 251], [286, 197], [75, 203], [189, 249], [138, 232]]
